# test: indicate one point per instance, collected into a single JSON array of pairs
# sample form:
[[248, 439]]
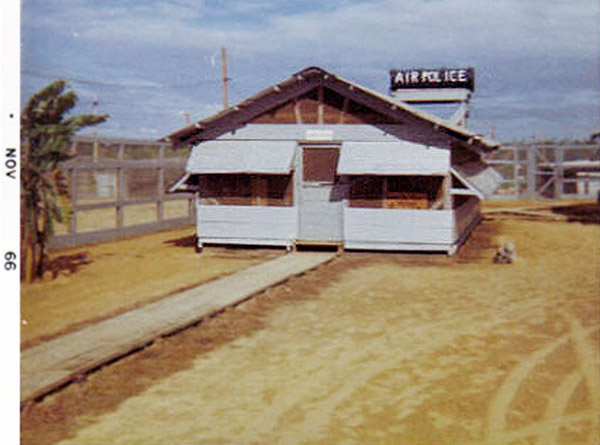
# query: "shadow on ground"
[[228, 251], [70, 263], [588, 213], [481, 244], [185, 241]]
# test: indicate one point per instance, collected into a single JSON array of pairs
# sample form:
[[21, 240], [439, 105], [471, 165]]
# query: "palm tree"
[[45, 135]]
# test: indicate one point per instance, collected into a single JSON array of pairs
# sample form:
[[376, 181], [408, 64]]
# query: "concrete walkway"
[[51, 364]]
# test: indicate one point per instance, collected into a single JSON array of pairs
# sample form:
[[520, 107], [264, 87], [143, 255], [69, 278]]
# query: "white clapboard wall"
[[247, 224]]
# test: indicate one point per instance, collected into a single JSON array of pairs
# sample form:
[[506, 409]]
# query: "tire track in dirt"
[[351, 380], [320, 417], [589, 363], [330, 379], [504, 397], [535, 429], [557, 406], [500, 404], [437, 333]]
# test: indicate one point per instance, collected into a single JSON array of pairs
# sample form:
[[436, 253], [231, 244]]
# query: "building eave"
[[307, 79]]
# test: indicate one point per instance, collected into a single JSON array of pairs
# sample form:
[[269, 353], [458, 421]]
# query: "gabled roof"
[[306, 80]]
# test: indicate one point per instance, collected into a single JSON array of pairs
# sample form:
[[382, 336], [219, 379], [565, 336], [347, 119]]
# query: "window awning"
[[479, 177], [229, 156], [392, 158]]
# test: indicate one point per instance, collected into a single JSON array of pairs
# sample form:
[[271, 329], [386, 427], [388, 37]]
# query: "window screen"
[[265, 190]]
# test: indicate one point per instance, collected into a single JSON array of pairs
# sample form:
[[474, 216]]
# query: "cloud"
[[522, 50], [407, 27], [393, 31]]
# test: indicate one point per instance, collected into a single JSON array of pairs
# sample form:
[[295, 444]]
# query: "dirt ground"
[[91, 283], [372, 348]]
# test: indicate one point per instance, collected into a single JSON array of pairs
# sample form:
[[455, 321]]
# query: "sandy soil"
[[373, 348], [91, 283]]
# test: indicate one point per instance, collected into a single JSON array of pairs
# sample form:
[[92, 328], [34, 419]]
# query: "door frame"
[[302, 185]]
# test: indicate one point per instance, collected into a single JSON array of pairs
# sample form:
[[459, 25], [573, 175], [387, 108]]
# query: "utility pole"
[[224, 78]]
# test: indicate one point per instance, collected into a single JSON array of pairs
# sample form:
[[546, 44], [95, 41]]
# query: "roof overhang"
[[392, 158], [227, 156], [478, 177], [309, 78]]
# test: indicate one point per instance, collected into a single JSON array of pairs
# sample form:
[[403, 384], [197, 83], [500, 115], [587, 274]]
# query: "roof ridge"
[[309, 73]]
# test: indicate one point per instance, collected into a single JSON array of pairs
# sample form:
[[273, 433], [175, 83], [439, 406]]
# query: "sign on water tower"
[[422, 78], [435, 86]]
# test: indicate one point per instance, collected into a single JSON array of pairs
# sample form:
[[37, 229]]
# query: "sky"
[[147, 62]]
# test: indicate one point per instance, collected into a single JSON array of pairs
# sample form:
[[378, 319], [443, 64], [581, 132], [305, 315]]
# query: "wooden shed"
[[317, 159]]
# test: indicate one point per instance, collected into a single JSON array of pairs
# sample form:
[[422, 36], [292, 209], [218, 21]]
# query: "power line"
[[83, 81]]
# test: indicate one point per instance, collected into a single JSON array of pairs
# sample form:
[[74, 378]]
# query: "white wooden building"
[[317, 159]]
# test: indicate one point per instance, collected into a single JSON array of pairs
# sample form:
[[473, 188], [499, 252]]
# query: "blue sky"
[[146, 62]]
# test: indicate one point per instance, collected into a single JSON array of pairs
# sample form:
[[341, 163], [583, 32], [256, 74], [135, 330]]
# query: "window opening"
[[320, 164]]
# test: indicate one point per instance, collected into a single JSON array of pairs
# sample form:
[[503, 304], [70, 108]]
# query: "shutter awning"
[[229, 156], [392, 158], [479, 177]]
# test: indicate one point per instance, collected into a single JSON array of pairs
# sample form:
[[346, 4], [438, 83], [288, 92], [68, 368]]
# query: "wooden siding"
[[247, 225], [466, 217], [398, 229], [322, 106]]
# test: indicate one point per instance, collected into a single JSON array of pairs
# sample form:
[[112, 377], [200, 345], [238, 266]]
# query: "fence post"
[[73, 196], [119, 212], [160, 191], [77, 181], [558, 172], [73, 193], [516, 153], [531, 172], [95, 150], [120, 197], [191, 206]]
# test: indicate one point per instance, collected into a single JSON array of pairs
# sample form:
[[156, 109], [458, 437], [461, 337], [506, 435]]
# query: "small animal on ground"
[[506, 254]]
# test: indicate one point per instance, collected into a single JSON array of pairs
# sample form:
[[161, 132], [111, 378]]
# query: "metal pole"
[[531, 172]]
